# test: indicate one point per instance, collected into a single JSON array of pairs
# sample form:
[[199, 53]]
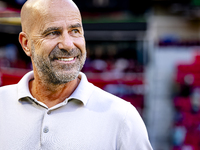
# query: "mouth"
[[65, 59]]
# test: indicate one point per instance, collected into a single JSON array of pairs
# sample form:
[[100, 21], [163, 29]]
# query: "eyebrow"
[[51, 29], [77, 25]]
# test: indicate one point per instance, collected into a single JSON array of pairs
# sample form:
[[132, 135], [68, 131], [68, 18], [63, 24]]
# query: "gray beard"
[[51, 74]]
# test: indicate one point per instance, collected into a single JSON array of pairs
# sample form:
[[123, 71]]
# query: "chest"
[[63, 128]]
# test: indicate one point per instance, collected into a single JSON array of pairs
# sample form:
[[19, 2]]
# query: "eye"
[[53, 33], [75, 31]]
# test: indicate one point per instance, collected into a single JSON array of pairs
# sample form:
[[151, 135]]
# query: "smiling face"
[[56, 41]]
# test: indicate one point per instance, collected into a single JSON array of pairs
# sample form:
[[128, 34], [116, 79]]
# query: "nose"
[[65, 42]]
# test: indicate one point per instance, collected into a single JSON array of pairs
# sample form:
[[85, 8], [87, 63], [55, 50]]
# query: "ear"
[[23, 40]]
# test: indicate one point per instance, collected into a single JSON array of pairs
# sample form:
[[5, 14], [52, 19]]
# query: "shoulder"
[[8, 90], [123, 113], [8, 93], [117, 105], [106, 96]]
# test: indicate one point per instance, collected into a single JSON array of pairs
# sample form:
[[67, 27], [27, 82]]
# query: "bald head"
[[34, 11]]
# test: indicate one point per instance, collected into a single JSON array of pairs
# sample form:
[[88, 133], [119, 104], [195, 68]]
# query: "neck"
[[50, 94]]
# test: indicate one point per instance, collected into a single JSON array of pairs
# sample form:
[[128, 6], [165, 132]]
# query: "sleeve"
[[133, 135]]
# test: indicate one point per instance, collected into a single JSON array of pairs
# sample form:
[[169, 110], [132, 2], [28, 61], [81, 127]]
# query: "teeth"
[[66, 59]]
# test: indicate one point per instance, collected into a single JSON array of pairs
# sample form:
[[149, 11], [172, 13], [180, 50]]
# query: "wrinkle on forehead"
[[34, 10]]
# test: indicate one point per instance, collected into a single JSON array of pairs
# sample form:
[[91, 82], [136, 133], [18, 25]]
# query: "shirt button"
[[46, 129], [48, 112]]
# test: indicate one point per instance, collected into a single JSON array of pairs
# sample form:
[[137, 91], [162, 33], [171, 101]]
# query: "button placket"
[[46, 118], [49, 112], [46, 129]]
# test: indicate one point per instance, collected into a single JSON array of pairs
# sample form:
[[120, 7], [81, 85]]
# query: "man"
[[55, 107]]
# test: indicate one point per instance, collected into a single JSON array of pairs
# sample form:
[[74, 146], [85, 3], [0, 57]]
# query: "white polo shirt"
[[90, 119]]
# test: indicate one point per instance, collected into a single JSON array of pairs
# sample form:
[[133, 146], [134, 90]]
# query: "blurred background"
[[146, 52]]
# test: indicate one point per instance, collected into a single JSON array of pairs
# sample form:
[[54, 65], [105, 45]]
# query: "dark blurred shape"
[[137, 26], [105, 6], [15, 3]]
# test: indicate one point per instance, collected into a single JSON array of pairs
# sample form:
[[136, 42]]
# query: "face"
[[57, 45]]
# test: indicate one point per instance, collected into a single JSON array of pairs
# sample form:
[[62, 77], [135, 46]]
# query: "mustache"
[[56, 53]]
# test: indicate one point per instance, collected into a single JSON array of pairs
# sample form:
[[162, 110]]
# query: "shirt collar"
[[23, 86], [82, 92]]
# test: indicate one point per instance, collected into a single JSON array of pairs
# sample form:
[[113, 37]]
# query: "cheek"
[[80, 43], [44, 47]]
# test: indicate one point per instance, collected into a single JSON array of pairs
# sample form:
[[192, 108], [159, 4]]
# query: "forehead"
[[65, 16], [54, 13], [61, 8]]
